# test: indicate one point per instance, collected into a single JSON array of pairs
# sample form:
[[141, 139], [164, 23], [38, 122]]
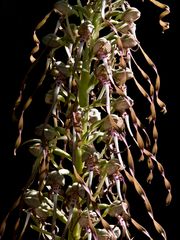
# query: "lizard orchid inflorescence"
[[87, 149]]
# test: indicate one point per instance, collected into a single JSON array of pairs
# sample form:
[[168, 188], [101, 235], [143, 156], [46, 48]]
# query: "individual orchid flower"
[[102, 50], [55, 180], [115, 125], [103, 77], [119, 210], [90, 157], [113, 169], [103, 234], [87, 220], [73, 193], [85, 31]]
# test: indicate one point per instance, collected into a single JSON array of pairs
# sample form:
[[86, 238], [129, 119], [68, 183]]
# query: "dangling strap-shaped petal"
[[166, 182], [142, 193], [164, 25], [27, 104], [141, 228], [145, 75], [44, 165], [139, 139], [3, 224], [157, 85], [35, 38], [129, 157], [25, 225]]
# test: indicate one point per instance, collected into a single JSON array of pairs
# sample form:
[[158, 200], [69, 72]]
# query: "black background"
[[17, 22]]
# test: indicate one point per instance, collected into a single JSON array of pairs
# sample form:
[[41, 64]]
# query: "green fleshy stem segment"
[[85, 79]]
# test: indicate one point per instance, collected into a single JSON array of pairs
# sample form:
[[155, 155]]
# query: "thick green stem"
[[78, 160], [74, 229], [83, 84]]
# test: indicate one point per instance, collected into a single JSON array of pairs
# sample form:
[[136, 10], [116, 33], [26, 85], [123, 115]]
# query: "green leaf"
[[62, 153]]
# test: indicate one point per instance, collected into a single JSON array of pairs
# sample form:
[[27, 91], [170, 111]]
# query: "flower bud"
[[35, 149], [112, 167], [32, 198], [63, 7], [85, 30], [117, 208], [103, 234], [51, 40], [113, 122], [128, 41], [101, 73], [121, 105], [55, 178], [102, 48], [43, 211], [94, 115], [131, 15], [47, 131], [73, 193], [121, 75], [84, 219]]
